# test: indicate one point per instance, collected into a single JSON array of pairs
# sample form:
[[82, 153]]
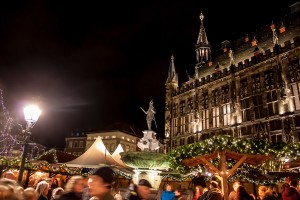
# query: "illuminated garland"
[[12, 144], [123, 174], [52, 153], [239, 145]]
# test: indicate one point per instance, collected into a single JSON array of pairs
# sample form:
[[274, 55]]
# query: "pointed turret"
[[171, 90], [202, 48], [202, 34], [172, 75]]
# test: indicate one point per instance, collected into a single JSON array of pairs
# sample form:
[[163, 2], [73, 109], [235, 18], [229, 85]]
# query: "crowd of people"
[[100, 186], [290, 190]]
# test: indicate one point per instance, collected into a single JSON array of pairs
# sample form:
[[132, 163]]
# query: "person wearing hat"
[[214, 192], [100, 183], [140, 191]]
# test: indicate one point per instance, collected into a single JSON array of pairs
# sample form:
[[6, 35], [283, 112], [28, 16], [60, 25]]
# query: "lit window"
[[75, 144], [113, 136], [80, 144], [106, 137], [122, 138], [128, 139], [70, 144]]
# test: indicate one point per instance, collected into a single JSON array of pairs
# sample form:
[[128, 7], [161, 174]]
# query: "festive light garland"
[[12, 144], [239, 145]]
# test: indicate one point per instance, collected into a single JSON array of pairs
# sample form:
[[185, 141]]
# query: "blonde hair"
[[6, 193], [41, 187], [57, 192], [71, 183], [263, 188], [30, 194]]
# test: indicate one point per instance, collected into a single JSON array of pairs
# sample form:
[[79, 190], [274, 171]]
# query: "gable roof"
[[54, 156]]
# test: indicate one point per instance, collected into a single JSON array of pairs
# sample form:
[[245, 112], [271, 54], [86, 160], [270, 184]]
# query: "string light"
[[240, 145], [12, 144]]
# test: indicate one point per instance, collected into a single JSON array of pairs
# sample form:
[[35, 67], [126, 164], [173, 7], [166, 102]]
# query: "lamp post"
[[31, 115]]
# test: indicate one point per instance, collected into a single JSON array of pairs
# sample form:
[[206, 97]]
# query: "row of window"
[[75, 144], [111, 137], [254, 107], [254, 85]]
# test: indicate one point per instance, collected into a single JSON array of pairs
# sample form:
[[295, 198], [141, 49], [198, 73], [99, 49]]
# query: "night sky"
[[89, 64]]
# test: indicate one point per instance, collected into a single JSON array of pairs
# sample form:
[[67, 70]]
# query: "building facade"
[[115, 134], [112, 139], [251, 89], [75, 144]]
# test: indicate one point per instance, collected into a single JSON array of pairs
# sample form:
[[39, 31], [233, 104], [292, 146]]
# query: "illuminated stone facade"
[[251, 89]]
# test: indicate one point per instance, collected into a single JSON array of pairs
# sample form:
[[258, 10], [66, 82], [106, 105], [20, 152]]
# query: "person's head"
[[197, 189], [101, 181], [285, 187], [275, 188], [57, 192], [143, 188], [42, 188], [7, 194], [262, 191], [235, 185], [214, 184], [169, 187], [19, 190], [241, 191], [30, 194], [294, 183], [75, 184], [178, 192], [288, 179]]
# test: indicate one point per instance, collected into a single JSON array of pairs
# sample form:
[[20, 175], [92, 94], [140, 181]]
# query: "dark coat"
[[214, 194], [42, 197], [70, 196]]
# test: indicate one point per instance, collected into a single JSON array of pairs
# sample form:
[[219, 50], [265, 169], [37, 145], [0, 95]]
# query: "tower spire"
[[202, 38], [172, 75], [202, 48]]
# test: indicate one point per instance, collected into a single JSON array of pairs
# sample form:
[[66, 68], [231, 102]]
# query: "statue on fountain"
[[149, 141]]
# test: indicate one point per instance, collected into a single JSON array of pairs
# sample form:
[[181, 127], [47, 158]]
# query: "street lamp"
[[31, 115]]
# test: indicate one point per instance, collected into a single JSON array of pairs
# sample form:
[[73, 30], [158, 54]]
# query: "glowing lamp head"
[[32, 114]]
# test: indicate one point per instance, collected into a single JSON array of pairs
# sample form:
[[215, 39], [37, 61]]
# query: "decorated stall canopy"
[[94, 157]]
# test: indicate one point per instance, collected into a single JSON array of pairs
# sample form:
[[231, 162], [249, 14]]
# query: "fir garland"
[[239, 145]]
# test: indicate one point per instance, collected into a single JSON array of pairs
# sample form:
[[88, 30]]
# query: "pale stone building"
[[251, 89]]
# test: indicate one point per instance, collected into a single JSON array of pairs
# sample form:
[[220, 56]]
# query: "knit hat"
[[144, 182], [106, 173]]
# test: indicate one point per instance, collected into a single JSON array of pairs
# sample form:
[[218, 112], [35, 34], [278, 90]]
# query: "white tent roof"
[[94, 157], [116, 155]]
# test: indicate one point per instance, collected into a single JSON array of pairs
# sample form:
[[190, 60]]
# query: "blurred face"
[[177, 193], [78, 186], [45, 192], [97, 187], [235, 186], [261, 192], [169, 188], [143, 191]]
